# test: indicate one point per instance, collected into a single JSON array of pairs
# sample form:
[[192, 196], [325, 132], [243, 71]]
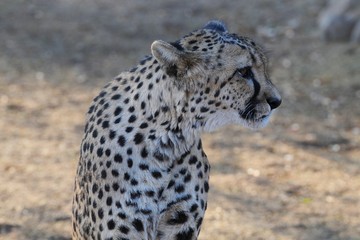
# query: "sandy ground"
[[298, 179]]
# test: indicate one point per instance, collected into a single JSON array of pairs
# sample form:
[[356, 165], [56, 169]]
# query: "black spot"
[[99, 113], [138, 225], [164, 109], [121, 215], [144, 152], [134, 182], [108, 164], [180, 118], [99, 152], [115, 172], [143, 105], [115, 186], [138, 138], [151, 137], [193, 160], [149, 76], [143, 70], [150, 193], [202, 204], [91, 109], [117, 120], [101, 213], [129, 129], [159, 156], [103, 174], [127, 88], [112, 134], [156, 174], [126, 177], [160, 192], [116, 97], [130, 163], [180, 217], [118, 158], [132, 119], [135, 194], [222, 85], [100, 194], [206, 167], [124, 229], [131, 109], [187, 178], [185, 235], [179, 189], [95, 133], [117, 111], [146, 211], [140, 85], [206, 186], [93, 217], [94, 188], [143, 125], [108, 152], [121, 140], [183, 171], [171, 183], [192, 41], [204, 109], [194, 207], [109, 201], [129, 151], [143, 166]]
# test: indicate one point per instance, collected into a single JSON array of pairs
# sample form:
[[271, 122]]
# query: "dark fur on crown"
[[216, 25]]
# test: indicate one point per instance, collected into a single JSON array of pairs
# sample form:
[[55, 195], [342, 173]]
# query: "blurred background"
[[298, 179]]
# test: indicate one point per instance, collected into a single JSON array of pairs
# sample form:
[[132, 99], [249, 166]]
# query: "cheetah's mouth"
[[253, 118]]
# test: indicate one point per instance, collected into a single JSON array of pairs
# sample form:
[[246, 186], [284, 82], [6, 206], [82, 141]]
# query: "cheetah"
[[142, 172]]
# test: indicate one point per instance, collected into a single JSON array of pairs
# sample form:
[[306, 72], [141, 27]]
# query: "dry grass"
[[298, 179]]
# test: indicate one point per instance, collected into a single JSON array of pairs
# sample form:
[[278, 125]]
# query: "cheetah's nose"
[[274, 102]]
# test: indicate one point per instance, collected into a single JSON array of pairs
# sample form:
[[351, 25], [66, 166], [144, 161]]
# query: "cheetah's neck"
[[172, 130]]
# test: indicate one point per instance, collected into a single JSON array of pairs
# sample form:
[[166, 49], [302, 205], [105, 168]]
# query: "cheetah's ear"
[[172, 56], [165, 53], [176, 61]]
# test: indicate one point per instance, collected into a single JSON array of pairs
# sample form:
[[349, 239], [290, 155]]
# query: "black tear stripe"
[[256, 89], [249, 112]]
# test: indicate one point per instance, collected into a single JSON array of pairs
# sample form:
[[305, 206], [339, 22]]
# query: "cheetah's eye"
[[245, 72]]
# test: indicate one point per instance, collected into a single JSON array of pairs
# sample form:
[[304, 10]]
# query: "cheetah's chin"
[[258, 122]]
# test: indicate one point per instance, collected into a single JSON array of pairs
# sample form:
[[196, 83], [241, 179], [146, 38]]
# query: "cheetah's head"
[[224, 75]]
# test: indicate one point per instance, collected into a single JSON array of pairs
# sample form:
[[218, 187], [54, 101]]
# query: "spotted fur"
[[142, 172]]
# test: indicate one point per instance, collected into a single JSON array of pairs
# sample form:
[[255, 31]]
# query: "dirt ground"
[[297, 179]]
